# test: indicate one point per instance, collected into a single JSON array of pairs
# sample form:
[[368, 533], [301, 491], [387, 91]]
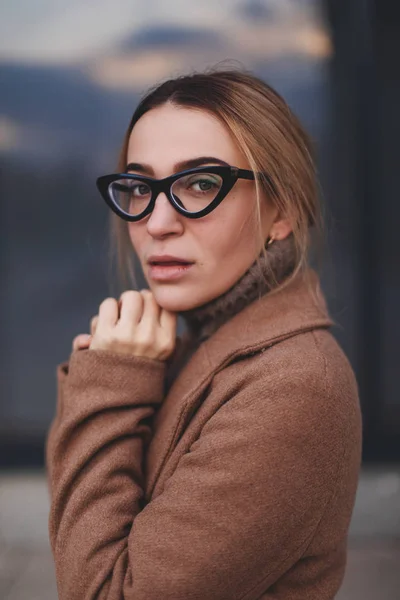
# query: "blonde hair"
[[269, 135]]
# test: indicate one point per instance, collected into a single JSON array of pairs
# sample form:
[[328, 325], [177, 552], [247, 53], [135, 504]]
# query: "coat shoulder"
[[303, 380]]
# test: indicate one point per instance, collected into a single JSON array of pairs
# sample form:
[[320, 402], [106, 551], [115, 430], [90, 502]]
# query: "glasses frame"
[[228, 174]]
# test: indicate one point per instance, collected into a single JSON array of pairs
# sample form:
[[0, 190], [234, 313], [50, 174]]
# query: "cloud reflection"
[[56, 32]]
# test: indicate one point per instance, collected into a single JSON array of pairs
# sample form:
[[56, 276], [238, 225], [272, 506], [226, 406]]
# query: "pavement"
[[373, 566]]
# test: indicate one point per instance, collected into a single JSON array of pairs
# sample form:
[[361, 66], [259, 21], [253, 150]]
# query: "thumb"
[[168, 321]]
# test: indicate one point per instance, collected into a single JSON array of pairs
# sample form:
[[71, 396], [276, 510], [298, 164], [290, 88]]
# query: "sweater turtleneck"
[[268, 271]]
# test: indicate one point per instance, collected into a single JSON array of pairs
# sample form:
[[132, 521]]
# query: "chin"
[[176, 300]]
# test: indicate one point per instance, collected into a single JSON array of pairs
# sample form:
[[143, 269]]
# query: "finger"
[[108, 314], [81, 341], [93, 324], [131, 308], [168, 321], [151, 311]]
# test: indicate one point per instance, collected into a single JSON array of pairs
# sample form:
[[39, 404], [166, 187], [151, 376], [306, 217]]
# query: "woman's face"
[[221, 245]]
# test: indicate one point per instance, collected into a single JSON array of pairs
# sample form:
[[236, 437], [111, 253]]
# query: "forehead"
[[170, 134]]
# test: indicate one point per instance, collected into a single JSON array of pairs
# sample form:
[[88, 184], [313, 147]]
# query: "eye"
[[138, 190], [203, 184], [196, 191]]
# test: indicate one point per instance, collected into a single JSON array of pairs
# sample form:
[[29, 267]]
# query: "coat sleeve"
[[239, 510]]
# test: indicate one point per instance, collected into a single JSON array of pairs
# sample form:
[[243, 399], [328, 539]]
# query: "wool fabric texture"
[[268, 271], [236, 483]]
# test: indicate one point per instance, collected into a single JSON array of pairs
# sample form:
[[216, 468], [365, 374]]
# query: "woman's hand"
[[136, 325]]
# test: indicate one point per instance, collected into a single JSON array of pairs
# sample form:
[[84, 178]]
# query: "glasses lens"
[[196, 191], [130, 195]]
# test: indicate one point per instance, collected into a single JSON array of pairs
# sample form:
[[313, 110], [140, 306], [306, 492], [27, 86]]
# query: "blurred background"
[[71, 75]]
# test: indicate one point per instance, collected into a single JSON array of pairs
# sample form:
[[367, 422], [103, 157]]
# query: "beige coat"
[[238, 485]]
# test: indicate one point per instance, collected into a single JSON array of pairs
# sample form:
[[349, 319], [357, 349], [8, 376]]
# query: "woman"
[[223, 465]]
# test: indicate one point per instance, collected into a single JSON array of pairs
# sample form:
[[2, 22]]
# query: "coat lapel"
[[274, 317]]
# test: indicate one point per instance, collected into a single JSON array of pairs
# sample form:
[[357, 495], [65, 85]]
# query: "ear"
[[280, 229]]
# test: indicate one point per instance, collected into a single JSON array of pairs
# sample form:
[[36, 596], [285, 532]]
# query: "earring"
[[270, 240]]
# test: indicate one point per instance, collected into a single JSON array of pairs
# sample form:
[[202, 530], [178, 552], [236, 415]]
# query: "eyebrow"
[[180, 166]]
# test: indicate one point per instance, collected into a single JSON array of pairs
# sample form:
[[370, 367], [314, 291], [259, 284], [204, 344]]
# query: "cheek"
[[229, 234], [240, 226], [135, 235]]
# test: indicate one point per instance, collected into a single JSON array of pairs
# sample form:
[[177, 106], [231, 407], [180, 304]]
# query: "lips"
[[168, 261], [168, 268]]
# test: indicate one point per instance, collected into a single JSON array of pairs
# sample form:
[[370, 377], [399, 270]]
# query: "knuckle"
[[129, 294], [131, 298], [108, 300], [148, 297]]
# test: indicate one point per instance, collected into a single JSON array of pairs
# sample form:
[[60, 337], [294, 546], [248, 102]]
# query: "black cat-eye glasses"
[[193, 192]]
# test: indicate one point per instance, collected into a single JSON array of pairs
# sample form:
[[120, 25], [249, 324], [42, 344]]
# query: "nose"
[[164, 220]]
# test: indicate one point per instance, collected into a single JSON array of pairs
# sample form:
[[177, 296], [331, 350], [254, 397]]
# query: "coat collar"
[[275, 316], [298, 307]]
